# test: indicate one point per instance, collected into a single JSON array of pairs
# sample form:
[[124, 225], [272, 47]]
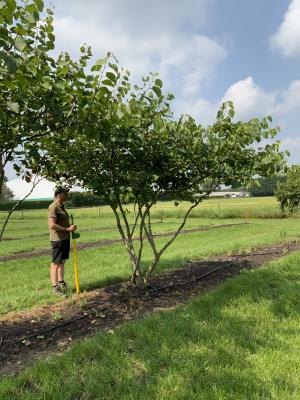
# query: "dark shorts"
[[60, 250]]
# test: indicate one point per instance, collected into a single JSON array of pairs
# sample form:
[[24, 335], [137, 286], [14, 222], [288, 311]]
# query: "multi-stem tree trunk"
[[135, 252]]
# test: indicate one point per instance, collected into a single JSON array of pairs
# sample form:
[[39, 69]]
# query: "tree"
[[266, 186], [132, 150], [84, 199], [7, 193], [38, 94], [36, 180], [288, 192]]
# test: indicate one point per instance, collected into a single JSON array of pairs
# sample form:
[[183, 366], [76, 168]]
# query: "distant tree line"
[[6, 193], [84, 199], [76, 199], [267, 186]]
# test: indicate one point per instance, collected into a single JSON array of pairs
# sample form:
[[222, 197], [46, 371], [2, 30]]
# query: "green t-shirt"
[[61, 218]]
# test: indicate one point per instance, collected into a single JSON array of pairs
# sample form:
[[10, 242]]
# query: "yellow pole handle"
[[76, 267]]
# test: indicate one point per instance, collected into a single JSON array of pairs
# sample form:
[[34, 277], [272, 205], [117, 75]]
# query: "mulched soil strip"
[[82, 315], [107, 242]]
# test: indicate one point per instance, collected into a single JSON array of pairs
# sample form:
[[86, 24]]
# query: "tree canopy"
[[37, 92], [288, 192], [132, 149]]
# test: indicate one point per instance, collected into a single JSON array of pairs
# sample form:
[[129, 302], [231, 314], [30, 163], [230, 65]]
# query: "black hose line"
[[124, 300]]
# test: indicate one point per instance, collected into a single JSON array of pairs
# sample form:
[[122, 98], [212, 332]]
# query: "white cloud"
[[249, 99], [157, 37], [202, 110], [293, 145], [20, 188], [44, 189], [291, 99], [287, 39]]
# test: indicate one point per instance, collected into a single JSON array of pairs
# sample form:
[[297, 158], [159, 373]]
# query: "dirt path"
[[28, 336], [107, 242]]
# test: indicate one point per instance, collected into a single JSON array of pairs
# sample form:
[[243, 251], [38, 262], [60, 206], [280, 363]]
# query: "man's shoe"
[[57, 290], [63, 288], [63, 285]]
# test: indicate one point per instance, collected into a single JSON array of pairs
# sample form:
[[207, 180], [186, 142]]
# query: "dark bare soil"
[[107, 242], [28, 336]]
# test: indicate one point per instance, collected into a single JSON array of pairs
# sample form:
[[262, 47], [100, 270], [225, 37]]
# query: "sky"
[[206, 51]]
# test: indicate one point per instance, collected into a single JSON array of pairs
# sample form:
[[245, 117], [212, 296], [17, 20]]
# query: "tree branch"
[[36, 181]]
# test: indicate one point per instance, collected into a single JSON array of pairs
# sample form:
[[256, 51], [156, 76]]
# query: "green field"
[[240, 341], [27, 230], [25, 282]]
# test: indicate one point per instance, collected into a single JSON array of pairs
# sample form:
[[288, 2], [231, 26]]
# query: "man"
[[60, 228]]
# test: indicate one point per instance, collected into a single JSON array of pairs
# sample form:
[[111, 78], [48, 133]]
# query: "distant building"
[[228, 195]]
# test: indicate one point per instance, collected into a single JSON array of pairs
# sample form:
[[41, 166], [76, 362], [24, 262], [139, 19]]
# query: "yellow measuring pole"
[[76, 267], [75, 260]]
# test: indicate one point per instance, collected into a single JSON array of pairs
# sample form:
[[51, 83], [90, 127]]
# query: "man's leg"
[[61, 271], [54, 273]]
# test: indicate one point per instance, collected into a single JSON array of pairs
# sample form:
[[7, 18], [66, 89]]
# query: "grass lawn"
[[25, 284], [240, 341], [97, 223]]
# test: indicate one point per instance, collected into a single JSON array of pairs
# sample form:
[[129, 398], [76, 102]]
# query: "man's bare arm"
[[53, 225]]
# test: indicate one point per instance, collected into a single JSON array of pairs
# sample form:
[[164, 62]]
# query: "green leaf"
[[13, 106], [30, 18], [114, 67], [96, 68], [108, 82], [120, 113], [231, 113], [47, 83], [104, 90], [39, 4], [158, 83], [11, 4], [157, 91], [98, 64], [111, 76], [20, 43]]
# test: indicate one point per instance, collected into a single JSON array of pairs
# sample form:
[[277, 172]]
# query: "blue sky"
[[205, 50]]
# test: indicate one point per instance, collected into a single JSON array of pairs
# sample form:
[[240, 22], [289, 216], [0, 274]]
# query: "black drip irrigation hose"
[[110, 306]]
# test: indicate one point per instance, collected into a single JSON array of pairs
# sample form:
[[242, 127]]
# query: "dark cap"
[[60, 190]]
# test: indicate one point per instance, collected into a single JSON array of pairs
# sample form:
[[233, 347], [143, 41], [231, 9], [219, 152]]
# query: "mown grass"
[[253, 207], [98, 223], [240, 341], [25, 284], [94, 231]]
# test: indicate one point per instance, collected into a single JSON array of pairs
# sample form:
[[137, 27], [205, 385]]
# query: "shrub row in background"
[[25, 205], [84, 199], [76, 199]]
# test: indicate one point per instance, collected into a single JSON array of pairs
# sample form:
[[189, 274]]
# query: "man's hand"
[[72, 228]]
